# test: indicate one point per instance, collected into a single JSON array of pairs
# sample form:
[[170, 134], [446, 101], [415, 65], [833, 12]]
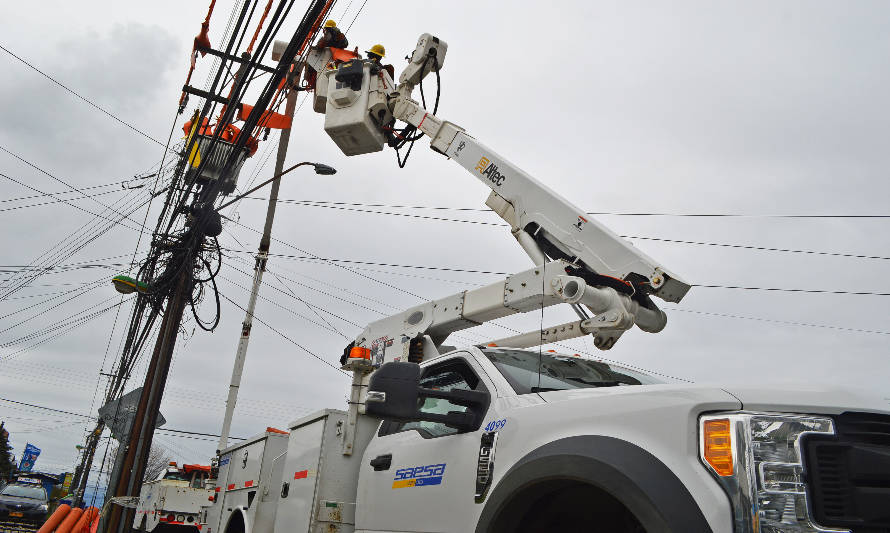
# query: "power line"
[[608, 213], [78, 293], [39, 204], [786, 289], [471, 271], [66, 328], [92, 187], [51, 409], [63, 182], [776, 321], [331, 205], [289, 245], [759, 248], [280, 334], [683, 310], [79, 239], [97, 107], [359, 12], [327, 327], [54, 296], [65, 201]]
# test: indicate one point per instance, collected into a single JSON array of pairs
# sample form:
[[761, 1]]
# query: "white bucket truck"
[[507, 437]]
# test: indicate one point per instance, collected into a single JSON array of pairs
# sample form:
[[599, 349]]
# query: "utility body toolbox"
[[318, 486], [247, 470]]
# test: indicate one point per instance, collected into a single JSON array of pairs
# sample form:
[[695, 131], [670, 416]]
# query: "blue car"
[[23, 501]]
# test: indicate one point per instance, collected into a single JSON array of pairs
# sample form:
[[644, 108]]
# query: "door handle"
[[381, 462]]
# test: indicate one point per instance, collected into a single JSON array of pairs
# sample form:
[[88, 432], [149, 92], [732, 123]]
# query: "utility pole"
[[176, 284], [139, 443], [262, 257]]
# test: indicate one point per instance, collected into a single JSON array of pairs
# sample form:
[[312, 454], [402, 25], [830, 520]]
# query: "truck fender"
[[632, 475], [238, 521]]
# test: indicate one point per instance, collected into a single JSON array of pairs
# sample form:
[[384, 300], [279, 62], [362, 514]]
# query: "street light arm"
[[319, 169]]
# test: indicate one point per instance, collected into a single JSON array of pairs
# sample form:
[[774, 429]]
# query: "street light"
[[322, 169]]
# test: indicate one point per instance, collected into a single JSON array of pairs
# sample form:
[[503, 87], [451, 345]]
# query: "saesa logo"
[[490, 171], [419, 476]]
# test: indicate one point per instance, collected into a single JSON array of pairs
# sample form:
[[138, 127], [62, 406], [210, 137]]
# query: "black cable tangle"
[[194, 301]]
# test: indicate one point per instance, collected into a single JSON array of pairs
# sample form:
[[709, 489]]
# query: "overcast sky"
[[753, 108]]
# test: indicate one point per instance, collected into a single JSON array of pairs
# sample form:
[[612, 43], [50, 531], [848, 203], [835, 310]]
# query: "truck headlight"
[[756, 457], [43, 507]]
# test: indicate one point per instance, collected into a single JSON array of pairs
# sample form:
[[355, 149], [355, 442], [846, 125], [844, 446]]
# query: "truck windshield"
[[530, 371]]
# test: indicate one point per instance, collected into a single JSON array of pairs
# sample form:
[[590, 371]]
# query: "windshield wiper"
[[603, 383], [545, 389]]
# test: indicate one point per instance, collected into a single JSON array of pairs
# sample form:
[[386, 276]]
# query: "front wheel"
[[569, 507]]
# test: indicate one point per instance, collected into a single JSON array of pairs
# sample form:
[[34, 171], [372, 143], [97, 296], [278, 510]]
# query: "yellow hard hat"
[[377, 49], [330, 24]]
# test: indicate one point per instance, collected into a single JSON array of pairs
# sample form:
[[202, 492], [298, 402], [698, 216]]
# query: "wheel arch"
[[238, 518], [634, 477]]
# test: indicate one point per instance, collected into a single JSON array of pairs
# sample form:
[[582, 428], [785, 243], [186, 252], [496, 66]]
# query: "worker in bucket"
[[332, 36], [376, 53]]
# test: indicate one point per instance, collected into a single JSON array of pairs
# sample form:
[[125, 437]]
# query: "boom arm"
[[542, 221], [362, 103]]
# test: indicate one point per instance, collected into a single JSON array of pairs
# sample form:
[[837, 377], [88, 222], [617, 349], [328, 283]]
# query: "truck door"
[[424, 473]]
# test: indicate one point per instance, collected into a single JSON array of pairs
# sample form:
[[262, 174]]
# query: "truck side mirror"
[[394, 393]]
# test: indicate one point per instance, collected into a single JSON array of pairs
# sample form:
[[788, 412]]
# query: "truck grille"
[[848, 473]]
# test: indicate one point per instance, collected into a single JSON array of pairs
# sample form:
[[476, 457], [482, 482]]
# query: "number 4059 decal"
[[495, 425]]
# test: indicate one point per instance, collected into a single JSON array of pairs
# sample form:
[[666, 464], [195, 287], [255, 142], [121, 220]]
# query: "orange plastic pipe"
[[55, 519], [70, 520], [83, 525]]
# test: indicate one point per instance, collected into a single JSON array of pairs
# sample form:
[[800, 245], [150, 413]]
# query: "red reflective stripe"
[[301, 474], [232, 486], [248, 483]]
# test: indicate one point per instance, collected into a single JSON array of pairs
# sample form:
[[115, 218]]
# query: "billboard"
[[29, 457]]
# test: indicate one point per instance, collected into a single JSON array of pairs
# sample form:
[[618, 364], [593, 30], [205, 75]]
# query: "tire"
[[577, 508]]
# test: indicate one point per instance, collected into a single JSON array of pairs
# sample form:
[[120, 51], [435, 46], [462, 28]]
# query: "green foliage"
[[6, 465]]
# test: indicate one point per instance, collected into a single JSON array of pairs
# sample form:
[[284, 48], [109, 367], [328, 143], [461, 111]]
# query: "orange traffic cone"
[[55, 519], [83, 524], [68, 524]]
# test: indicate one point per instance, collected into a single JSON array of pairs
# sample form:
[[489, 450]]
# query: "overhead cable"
[[608, 213], [97, 107], [471, 271], [637, 237], [280, 334]]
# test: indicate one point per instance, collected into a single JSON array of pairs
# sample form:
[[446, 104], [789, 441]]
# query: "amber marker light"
[[718, 445], [358, 352]]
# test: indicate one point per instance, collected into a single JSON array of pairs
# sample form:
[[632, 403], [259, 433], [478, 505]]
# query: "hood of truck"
[[810, 398], [787, 398], [700, 397]]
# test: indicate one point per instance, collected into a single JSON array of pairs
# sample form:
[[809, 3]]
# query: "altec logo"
[[490, 171], [419, 476]]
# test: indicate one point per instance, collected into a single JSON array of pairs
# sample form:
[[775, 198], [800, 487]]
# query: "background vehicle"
[[24, 501], [174, 501]]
